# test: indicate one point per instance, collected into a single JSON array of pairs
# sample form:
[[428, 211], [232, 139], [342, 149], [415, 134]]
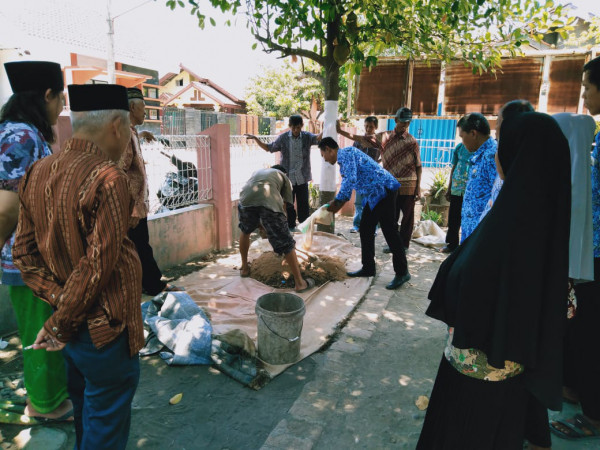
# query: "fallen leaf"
[[422, 402], [176, 399]]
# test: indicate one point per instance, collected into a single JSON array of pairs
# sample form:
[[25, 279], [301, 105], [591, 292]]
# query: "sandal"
[[580, 429], [310, 283], [245, 275], [67, 417]]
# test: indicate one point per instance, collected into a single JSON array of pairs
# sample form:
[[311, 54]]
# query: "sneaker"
[[354, 230], [294, 230]]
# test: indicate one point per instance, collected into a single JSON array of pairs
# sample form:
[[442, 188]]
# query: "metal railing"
[[178, 170], [246, 157], [436, 153]]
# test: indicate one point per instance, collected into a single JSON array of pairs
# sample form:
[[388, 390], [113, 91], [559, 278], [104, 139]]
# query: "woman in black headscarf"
[[503, 296]]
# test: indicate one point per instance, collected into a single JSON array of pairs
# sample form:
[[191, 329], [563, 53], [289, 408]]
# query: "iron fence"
[[178, 170], [246, 157], [436, 153], [176, 121]]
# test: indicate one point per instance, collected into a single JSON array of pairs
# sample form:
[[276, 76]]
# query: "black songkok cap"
[[134, 93], [96, 97], [34, 76]]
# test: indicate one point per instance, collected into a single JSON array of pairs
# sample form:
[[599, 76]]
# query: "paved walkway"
[[358, 393]]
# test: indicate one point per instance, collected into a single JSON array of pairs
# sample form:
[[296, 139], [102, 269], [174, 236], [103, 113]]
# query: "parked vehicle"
[[179, 189]]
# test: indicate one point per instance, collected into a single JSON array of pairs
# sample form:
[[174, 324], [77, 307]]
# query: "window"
[[152, 114], [151, 92], [179, 82]]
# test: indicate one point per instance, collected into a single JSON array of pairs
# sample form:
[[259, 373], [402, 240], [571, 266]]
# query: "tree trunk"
[[332, 94], [332, 69]]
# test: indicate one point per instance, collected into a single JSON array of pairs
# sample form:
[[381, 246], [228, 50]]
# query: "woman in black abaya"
[[503, 296]]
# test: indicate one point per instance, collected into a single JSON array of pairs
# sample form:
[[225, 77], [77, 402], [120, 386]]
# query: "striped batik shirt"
[[72, 247]]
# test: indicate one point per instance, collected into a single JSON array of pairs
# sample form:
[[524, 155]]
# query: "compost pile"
[[272, 270]]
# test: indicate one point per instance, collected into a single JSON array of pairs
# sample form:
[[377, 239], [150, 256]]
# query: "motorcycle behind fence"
[[179, 189]]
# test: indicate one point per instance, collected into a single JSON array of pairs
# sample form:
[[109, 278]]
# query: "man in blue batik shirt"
[[474, 130], [378, 189]]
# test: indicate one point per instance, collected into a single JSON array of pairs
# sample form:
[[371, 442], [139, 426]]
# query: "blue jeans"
[[101, 384], [358, 209]]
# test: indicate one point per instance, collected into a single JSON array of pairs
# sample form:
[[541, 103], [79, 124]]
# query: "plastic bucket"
[[280, 319]]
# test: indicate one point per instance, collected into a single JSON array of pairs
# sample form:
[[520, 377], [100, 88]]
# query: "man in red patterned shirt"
[[401, 156]]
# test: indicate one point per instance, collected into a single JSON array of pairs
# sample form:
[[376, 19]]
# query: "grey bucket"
[[280, 318]]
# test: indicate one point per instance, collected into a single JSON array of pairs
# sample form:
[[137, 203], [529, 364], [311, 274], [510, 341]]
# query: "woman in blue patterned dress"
[[25, 131]]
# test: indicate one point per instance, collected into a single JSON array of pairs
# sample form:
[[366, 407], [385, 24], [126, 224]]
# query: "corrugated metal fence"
[[436, 138]]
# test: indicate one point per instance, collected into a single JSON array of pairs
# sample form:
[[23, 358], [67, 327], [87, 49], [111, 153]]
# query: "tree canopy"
[[286, 90], [353, 33]]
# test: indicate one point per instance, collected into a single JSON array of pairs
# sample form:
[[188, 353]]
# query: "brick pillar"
[[221, 182]]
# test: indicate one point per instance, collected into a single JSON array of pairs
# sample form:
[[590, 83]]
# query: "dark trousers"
[[151, 274], [101, 384], [454, 221], [406, 204], [300, 192], [582, 362], [383, 214]]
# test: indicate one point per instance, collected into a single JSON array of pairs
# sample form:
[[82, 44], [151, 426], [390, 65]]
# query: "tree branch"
[[288, 51], [312, 74]]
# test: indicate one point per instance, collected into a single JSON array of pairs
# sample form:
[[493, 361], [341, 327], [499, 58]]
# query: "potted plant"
[[436, 205]]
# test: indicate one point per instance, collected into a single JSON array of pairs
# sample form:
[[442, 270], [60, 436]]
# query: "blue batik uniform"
[[361, 173], [378, 189], [482, 173]]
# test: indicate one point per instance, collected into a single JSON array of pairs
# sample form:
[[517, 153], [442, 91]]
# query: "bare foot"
[[584, 426], [62, 411], [245, 271], [570, 395], [302, 286]]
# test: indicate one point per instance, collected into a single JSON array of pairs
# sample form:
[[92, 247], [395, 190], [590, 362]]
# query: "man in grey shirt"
[[261, 205], [294, 146]]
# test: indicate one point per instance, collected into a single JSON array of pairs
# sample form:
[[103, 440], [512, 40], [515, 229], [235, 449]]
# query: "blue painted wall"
[[426, 131]]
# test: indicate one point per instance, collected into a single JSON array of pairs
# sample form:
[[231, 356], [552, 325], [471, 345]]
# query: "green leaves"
[[478, 31]]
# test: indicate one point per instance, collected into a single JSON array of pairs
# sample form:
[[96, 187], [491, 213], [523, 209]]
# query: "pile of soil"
[[272, 270]]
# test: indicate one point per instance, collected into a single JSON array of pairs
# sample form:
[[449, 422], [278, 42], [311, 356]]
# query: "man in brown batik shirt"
[[73, 252]]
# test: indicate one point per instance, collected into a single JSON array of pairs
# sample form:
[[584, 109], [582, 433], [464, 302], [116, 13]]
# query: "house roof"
[[207, 91], [166, 78], [214, 86]]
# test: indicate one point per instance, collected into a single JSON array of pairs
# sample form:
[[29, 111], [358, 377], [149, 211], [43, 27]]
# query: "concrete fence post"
[[221, 182]]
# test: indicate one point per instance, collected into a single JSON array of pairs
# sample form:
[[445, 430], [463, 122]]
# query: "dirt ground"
[[358, 392], [272, 270]]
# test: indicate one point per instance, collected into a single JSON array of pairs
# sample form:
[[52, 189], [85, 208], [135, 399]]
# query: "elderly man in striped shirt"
[[73, 252]]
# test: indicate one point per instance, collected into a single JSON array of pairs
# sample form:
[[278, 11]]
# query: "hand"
[[250, 136], [45, 340], [417, 194], [146, 135], [335, 207]]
